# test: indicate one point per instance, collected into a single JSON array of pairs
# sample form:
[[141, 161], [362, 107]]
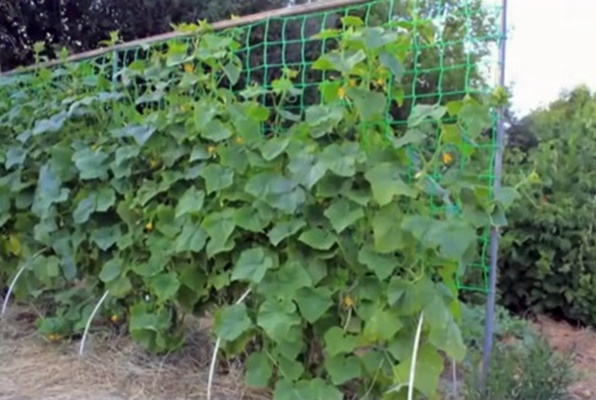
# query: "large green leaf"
[[48, 192], [140, 133], [429, 366], [340, 61], [277, 318], [219, 226], [165, 285], [343, 368], [217, 177], [322, 119], [339, 342], [216, 131], [98, 201], [252, 265], [423, 111], [259, 370], [15, 156], [106, 237], [387, 232], [111, 270], [191, 202], [370, 105], [386, 183], [306, 169], [192, 238], [342, 159], [254, 219], [285, 229], [285, 281], [382, 265], [342, 214], [313, 303], [272, 148], [383, 325], [232, 322], [318, 238], [92, 164], [314, 389], [277, 191], [452, 238]]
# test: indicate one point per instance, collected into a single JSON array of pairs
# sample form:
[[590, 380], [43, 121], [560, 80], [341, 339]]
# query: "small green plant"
[[528, 370]]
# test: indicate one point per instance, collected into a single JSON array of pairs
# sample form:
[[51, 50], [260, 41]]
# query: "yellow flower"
[[239, 140], [211, 149], [53, 337], [352, 82], [348, 302], [341, 92], [153, 163], [189, 68], [534, 177], [149, 226], [447, 158], [115, 318], [380, 82]]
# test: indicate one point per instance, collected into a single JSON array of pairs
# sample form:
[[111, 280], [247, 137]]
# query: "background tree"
[[549, 250], [80, 25]]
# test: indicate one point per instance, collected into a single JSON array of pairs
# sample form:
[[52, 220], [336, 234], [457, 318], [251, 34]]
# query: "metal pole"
[[489, 325]]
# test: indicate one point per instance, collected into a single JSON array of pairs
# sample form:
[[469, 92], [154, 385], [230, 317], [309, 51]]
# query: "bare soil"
[[114, 368], [578, 343]]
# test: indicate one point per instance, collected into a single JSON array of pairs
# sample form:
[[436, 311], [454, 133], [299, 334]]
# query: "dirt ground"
[[578, 343], [113, 368]]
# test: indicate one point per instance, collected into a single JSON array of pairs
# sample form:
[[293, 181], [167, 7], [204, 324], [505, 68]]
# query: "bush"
[[188, 207], [529, 370], [548, 252]]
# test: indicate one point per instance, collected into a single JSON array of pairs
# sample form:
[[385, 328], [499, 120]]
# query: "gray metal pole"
[[489, 326]]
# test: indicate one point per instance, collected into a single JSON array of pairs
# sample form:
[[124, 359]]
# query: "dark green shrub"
[[529, 370], [548, 252]]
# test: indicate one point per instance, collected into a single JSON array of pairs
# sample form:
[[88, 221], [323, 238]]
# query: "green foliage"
[[506, 325], [180, 208], [548, 250], [528, 370]]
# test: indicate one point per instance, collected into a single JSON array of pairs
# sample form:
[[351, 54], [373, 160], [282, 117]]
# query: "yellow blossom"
[[341, 92], [53, 337], [149, 226], [447, 158], [188, 68], [153, 163], [348, 302]]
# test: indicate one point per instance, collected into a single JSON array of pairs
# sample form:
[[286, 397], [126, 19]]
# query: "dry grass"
[[113, 368]]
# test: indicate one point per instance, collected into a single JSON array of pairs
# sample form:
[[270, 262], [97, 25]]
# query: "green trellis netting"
[[456, 58]]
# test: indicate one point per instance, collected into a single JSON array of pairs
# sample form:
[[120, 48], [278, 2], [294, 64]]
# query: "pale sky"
[[551, 47]]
